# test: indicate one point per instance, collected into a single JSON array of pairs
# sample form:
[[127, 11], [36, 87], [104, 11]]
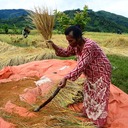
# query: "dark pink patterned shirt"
[[91, 61], [97, 68]]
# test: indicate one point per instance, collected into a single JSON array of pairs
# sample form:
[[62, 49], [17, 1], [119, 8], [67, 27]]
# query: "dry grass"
[[67, 94], [37, 49], [12, 55], [63, 115], [44, 21], [111, 43], [116, 42]]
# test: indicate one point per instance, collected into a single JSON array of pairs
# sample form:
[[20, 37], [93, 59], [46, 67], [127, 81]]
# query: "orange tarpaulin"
[[118, 108], [5, 124], [50, 71]]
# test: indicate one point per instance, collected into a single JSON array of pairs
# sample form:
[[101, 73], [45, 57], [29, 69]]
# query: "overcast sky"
[[119, 7]]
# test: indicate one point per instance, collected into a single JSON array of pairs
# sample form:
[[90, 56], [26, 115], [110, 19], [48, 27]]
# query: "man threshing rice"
[[95, 65]]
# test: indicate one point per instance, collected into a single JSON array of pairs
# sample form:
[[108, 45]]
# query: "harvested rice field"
[[15, 50], [15, 110]]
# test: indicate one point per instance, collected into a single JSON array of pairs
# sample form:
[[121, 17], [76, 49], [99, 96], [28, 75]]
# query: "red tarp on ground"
[[54, 70]]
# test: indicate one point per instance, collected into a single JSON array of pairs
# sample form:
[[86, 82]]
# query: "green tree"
[[64, 20], [81, 18], [5, 28], [15, 29]]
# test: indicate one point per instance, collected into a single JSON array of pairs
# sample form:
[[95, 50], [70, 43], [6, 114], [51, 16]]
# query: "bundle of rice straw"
[[61, 102], [44, 22], [67, 94]]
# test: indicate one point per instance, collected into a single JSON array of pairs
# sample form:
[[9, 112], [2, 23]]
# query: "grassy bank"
[[120, 71]]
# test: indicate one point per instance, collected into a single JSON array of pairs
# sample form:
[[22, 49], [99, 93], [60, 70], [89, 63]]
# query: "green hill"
[[107, 22], [101, 21], [14, 17], [12, 13]]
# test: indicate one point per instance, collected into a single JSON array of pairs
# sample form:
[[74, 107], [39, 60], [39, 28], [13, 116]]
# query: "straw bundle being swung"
[[44, 22]]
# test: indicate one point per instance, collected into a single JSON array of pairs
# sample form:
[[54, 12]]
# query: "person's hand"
[[62, 83], [49, 42], [54, 46]]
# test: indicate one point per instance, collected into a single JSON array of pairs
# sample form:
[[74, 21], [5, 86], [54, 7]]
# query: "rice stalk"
[[63, 114], [66, 94], [44, 22], [67, 118]]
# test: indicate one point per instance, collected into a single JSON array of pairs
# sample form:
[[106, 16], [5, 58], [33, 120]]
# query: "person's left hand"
[[62, 83]]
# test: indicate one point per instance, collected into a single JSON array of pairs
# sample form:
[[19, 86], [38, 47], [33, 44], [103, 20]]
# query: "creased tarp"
[[118, 108], [5, 124], [55, 70], [12, 108], [30, 95]]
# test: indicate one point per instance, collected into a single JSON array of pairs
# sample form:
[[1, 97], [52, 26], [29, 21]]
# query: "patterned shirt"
[[97, 68], [91, 61]]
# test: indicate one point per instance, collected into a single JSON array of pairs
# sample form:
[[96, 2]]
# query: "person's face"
[[72, 41]]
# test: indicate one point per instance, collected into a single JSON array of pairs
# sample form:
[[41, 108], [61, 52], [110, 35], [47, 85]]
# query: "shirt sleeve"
[[65, 52], [84, 60]]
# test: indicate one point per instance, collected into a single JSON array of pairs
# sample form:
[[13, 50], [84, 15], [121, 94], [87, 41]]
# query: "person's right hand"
[[49, 42], [62, 83]]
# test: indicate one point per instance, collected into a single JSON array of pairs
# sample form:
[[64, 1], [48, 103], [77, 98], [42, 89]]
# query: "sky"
[[119, 7]]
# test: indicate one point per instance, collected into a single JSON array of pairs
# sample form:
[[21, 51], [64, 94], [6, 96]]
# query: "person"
[[25, 32], [94, 64]]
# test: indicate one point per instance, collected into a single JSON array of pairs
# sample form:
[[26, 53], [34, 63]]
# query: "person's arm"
[[61, 51], [85, 60]]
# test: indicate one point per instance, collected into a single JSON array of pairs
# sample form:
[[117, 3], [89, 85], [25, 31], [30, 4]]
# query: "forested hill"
[[12, 13], [101, 21], [14, 17], [107, 21]]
